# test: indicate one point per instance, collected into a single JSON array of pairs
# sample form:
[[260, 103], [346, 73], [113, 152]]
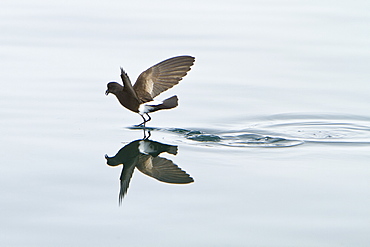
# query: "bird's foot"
[[140, 125]]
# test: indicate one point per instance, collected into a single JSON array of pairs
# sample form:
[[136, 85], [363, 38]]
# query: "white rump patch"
[[148, 106], [145, 147]]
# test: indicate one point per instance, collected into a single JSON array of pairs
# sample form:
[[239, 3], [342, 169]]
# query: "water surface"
[[273, 123]]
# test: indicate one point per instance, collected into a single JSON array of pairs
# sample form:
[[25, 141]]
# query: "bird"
[[139, 97]]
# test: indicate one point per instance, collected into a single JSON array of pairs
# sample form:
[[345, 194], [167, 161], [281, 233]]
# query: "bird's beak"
[[107, 92]]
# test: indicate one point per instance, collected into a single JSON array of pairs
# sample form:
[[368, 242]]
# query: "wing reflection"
[[144, 155]]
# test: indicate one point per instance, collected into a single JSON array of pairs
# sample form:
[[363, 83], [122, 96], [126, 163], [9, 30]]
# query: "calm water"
[[273, 123]]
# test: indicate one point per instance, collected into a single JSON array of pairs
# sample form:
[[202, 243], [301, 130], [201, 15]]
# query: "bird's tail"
[[166, 104], [170, 103], [172, 149]]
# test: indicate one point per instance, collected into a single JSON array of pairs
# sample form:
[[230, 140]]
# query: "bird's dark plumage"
[[150, 83]]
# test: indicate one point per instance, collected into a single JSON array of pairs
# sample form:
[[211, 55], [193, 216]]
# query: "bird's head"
[[112, 161], [113, 87]]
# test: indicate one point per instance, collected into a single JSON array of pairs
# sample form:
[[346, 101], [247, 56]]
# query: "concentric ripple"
[[280, 131], [321, 128]]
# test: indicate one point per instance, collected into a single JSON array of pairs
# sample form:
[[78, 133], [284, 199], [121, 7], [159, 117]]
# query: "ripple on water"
[[320, 128], [231, 139], [281, 131]]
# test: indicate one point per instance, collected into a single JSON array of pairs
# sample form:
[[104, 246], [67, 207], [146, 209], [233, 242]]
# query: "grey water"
[[269, 146]]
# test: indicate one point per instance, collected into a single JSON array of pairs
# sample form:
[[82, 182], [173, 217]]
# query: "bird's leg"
[[143, 123], [146, 137], [149, 118]]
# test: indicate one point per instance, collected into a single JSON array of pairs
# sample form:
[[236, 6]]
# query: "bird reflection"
[[144, 155]]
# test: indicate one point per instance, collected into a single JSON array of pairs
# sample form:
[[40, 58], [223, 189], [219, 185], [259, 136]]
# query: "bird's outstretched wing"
[[162, 76], [162, 169], [125, 179]]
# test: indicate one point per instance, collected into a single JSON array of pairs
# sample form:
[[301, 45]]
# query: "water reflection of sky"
[[266, 73]]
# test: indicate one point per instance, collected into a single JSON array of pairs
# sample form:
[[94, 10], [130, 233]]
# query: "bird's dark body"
[[128, 100]]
